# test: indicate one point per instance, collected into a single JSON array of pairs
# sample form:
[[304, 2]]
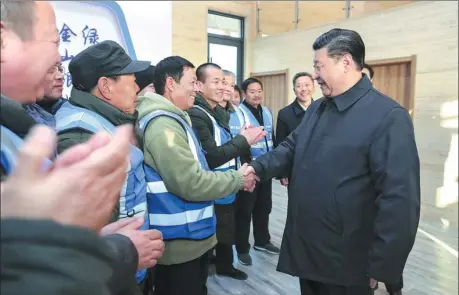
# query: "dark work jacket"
[[215, 155], [354, 193], [288, 119], [45, 258]]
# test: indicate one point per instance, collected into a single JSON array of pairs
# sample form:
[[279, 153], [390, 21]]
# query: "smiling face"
[[329, 72], [25, 62], [304, 88], [54, 83], [183, 93], [229, 88], [213, 86]]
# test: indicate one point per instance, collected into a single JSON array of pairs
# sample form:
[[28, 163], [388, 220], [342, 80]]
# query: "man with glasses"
[[45, 108]]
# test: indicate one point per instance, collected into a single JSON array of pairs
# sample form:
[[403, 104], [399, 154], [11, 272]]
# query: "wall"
[[426, 29], [150, 26], [189, 27]]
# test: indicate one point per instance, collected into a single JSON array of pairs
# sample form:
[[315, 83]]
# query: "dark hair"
[[370, 69], [171, 66], [340, 42], [249, 81], [201, 70], [302, 74], [238, 89], [145, 77]]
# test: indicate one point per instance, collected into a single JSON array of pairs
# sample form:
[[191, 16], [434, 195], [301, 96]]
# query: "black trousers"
[[224, 257], [256, 205], [392, 288], [189, 278], [225, 236], [315, 288]]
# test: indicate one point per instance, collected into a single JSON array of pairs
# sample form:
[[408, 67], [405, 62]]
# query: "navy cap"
[[104, 59]]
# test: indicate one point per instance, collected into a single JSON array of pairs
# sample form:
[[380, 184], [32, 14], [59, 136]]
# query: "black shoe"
[[270, 248], [233, 273], [245, 259]]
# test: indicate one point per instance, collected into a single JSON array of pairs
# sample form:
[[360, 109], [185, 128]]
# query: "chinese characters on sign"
[[88, 37]]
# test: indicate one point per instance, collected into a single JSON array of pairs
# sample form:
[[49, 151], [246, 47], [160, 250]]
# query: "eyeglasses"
[[57, 68]]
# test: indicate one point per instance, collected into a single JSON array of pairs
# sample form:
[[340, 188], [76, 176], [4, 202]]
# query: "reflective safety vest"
[[238, 120], [133, 199], [265, 144], [175, 217], [10, 145], [221, 137]]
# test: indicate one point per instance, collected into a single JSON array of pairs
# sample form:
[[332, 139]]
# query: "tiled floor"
[[432, 267]]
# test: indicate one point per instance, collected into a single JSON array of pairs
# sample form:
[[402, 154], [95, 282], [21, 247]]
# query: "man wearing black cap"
[[104, 96]]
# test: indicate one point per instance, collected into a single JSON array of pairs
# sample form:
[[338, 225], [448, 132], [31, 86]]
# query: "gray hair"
[[229, 73], [19, 17]]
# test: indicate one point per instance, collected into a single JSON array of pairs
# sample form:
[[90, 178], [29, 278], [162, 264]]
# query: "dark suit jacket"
[[288, 119]]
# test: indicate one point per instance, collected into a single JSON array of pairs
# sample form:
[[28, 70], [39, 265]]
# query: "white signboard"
[[82, 24]]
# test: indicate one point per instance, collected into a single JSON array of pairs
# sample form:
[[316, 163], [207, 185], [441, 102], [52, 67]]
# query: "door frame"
[[273, 73], [215, 39], [230, 41], [412, 59]]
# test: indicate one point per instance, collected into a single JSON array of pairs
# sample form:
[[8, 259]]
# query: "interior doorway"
[[396, 78], [275, 91]]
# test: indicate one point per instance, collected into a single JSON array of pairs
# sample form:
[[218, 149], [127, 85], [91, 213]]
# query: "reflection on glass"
[[225, 56], [223, 25]]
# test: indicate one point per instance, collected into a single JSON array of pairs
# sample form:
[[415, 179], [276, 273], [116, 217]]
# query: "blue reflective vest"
[[10, 145], [221, 137], [236, 123], [265, 144], [175, 217], [133, 196]]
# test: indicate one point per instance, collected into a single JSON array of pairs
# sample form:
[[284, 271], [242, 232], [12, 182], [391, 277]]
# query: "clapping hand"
[[250, 177], [80, 189]]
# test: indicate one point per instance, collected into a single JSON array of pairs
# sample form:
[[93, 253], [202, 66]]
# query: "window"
[[226, 42]]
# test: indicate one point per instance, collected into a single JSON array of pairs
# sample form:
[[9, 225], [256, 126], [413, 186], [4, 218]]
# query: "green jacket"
[[90, 102], [166, 150]]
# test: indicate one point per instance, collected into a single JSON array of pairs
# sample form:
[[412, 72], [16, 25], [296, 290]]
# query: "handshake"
[[250, 177]]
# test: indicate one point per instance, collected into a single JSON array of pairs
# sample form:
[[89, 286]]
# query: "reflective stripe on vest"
[[237, 121], [10, 145], [266, 143], [221, 137], [175, 217], [133, 195]]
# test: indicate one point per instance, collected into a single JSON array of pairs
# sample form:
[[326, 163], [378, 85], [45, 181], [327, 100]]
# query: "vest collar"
[[93, 103]]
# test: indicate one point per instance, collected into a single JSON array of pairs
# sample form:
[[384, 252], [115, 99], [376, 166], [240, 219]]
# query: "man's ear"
[[104, 86], [170, 84], [200, 85]]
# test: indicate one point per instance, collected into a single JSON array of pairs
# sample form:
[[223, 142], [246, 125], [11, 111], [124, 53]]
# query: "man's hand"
[[80, 189], [250, 178], [284, 181], [115, 227], [253, 134], [149, 244]]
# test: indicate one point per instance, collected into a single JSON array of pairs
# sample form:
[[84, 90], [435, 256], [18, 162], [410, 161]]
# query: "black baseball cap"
[[104, 59]]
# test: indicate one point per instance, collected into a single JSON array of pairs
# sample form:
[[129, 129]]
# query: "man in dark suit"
[[354, 191], [290, 117]]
